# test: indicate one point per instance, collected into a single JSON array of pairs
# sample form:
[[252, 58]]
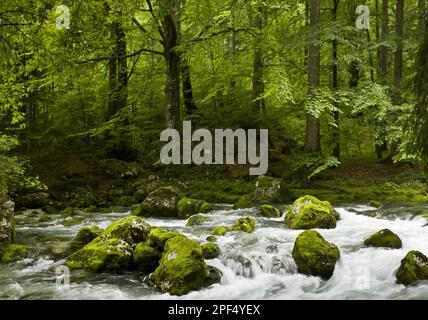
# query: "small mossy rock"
[[211, 239], [145, 258], [376, 204], [268, 190], [141, 194], [220, 231], [91, 209], [314, 255], [309, 213], [197, 220], [159, 236], [85, 236], [162, 202], [103, 254], [45, 218], [214, 275], [182, 267], [188, 207], [14, 252], [246, 224], [243, 202], [384, 239], [210, 250], [69, 212], [131, 229], [413, 268], [269, 211]]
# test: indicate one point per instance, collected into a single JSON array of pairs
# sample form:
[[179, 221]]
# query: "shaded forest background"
[[81, 109]]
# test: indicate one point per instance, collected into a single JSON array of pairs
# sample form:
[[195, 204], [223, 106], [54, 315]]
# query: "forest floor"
[[355, 181]]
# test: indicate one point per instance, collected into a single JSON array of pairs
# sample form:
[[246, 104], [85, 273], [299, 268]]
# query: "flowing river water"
[[254, 266]]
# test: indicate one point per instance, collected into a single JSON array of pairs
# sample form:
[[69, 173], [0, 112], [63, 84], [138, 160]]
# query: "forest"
[[88, 201]]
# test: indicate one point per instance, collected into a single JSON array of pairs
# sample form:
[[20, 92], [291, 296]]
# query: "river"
[[254, 266]]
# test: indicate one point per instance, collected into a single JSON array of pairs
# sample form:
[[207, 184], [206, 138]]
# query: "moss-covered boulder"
[[197, 220], [384, 239], [220, 231], [162, 202], [268, 190], [14, 252], [413, 268], [159, 236], [246, 224], [243, 202], [210, 250], [145, 258], [131, 229], [182, 267], [85, 236], [69, 212], [112, 250], [309, 213], [314, 255], [269, 211], [376, 204], [103, 254], [188, 207]]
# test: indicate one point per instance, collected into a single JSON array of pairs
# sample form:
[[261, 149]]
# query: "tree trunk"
[[398, 58], [383, 50], [171, 27], [258, 83], [122, 99], [189, 101], [421, 13], [313, 137], [335, 85]]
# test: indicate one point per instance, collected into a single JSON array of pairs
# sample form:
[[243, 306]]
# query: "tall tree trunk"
[[335, 85], [313, 136], [122, 65], [258, 83], [112, 74], [171, 27], [189, 101], [383, 50], [421, 14]]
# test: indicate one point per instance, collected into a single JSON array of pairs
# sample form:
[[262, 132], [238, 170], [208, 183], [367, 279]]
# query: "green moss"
[[188, 207], [243, 202], [413, 268], [315, 256], [210, 250], [376, 204], [308, 212], [132, 229], [159, 236], [220, 231], [91, 209], [269, 211], [197, 220], [103, 254], [45, 218], [182, 267], [384, 239], [85, 236], [145, 258], [162, 202], [246, 224], [14, 252], [211, 239], [268, 190], [125, 201], [69, 212]]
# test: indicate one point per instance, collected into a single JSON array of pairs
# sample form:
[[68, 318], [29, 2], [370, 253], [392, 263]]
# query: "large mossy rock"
[[243, 202], [310, 213], [112, 250], [7, 227], [197, 220], [188, 207], [162, 202], [314, 255], [14, 252], [182, 267], [246, 224], [85, 236], [413, 268], [145, 258], [269, 211], [384, 239], [268, 190], [159, 236]]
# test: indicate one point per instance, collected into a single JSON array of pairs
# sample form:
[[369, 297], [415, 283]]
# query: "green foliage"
[[312, 165]]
